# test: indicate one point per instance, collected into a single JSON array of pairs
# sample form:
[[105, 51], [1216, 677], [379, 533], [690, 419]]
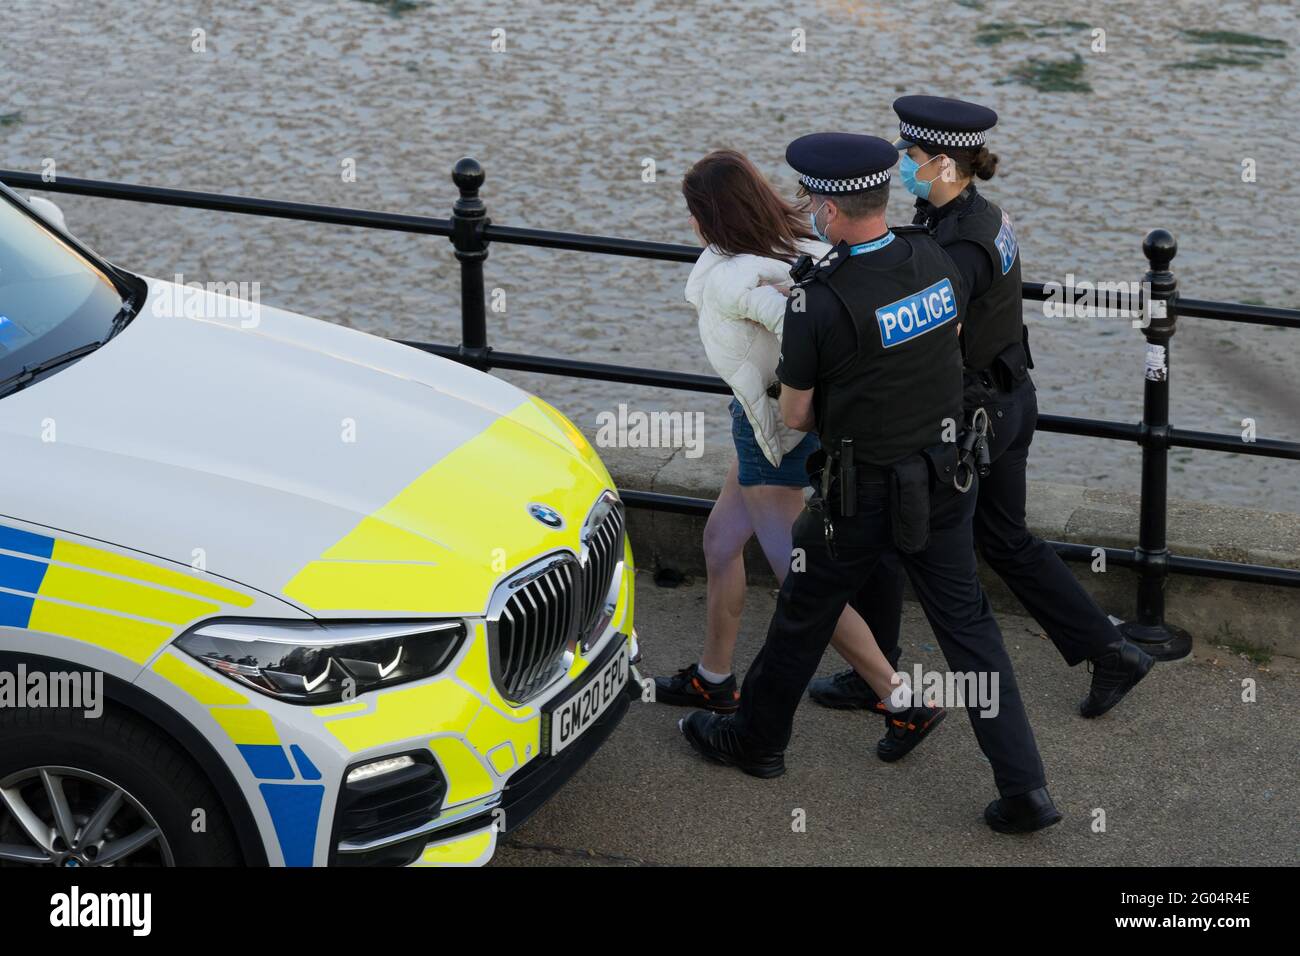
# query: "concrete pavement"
[[1184, 771]]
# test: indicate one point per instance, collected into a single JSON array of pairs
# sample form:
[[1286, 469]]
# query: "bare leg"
[[772, 510], [725, 535]]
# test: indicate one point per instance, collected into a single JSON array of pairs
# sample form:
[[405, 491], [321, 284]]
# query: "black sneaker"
[[1022, 814], [907, 728], [1114, 674], [848, 691], [687, 688], [843, 691], [715, 739]]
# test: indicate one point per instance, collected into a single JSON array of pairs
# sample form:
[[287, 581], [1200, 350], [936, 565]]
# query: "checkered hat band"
[[941, 137], [857, 184]]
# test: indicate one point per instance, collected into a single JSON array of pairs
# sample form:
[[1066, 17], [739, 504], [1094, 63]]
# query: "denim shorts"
[[755, 469]]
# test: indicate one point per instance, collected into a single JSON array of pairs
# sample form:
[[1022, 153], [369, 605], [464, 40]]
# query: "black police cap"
[[940, 121], [841, 163]]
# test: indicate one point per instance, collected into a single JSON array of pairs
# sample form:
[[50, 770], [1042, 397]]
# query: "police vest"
[[993, 321], [906, 379]]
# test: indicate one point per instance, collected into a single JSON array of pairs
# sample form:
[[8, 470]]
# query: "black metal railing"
[[471, 233]]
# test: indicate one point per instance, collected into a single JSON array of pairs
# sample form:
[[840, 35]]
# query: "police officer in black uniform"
[[944, 144], [871, 358]]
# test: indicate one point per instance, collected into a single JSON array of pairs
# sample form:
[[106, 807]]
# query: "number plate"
[[571, 718]]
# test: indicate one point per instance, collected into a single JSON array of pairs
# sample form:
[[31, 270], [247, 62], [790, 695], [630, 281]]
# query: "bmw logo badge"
[[546, 515]]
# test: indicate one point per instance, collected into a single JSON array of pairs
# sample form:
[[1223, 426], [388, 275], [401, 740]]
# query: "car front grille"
[[537, 618], [602, 551], [535, 627]]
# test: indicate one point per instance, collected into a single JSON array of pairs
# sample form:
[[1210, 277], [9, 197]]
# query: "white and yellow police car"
[[348, 603]]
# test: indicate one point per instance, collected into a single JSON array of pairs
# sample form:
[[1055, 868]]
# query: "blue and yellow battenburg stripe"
[[287, 778], [132, 607], [122, 604]]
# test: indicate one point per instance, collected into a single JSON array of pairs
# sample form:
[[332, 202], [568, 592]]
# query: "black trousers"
[[943, 575], [1032, 569]]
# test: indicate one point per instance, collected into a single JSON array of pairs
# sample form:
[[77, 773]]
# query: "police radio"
[[802, 268]]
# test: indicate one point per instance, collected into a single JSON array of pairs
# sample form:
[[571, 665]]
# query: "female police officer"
[[872, 361], [944, 140]]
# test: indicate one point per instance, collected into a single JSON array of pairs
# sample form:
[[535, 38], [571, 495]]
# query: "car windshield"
[[52, 299]]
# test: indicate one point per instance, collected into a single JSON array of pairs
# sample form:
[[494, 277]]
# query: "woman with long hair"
[[751, 237]]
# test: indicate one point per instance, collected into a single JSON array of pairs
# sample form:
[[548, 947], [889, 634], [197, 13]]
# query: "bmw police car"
[[348, 603]]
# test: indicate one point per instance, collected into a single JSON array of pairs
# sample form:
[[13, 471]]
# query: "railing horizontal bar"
[[657, 501], [244, 205], [1239, 312], [1231, 571], [627, 374], [606, 245], [1069, 550], [1264, 447], [516, 235], [687, 381], [1033, 291], [1089, 427]]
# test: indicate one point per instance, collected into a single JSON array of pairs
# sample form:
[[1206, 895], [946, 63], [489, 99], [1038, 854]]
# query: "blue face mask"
[[812, 218], [907, 168]]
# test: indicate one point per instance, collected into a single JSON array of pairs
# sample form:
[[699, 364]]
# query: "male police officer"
[[873, 363], [944, 144]]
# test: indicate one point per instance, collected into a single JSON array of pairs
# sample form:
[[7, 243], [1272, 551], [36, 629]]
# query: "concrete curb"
[[1213, 611]]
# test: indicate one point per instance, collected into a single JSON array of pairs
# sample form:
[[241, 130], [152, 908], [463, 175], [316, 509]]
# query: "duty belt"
[[843, 467], [972, 458]]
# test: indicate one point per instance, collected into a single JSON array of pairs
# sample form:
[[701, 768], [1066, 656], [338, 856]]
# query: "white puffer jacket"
[[740, 326]]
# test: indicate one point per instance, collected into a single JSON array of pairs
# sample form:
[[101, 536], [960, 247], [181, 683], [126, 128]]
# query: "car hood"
[[339, 471]]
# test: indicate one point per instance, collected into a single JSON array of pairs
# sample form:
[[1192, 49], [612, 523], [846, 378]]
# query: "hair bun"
[[985, 163]]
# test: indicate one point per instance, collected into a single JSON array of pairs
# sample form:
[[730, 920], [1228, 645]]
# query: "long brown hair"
[[737, 210]]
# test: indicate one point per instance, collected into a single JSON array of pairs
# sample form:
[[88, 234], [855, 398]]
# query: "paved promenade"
[[1185, 772]]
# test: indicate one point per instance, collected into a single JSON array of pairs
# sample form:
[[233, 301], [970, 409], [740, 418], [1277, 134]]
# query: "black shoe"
[[687, 688], [714, 738], [846, 690], [1114, 674], [1022, 814], [843, 691], [907, 728]]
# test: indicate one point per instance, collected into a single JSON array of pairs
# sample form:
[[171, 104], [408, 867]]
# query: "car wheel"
[[107, 791]]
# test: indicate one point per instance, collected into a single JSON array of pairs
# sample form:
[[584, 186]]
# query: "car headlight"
[[322, 663]]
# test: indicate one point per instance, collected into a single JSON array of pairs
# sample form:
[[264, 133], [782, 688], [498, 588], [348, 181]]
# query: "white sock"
[[900, 697], [709, 676]]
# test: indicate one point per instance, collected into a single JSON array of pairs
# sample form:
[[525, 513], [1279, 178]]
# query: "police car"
[[348, 603]]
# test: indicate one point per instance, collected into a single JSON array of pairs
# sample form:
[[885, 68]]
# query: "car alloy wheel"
[[61, 816]]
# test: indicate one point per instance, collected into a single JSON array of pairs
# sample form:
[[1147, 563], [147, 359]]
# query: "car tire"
[[84, 758]]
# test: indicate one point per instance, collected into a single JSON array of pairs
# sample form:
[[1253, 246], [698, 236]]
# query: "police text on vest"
[[917, 313]]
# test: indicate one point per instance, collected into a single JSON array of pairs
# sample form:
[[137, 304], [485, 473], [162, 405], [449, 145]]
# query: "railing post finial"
[[468, 219], [467, 174]]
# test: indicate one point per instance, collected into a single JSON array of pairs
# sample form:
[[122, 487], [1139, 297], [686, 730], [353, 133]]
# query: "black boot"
[[715, 738], [846, 690], [907, 728], [1022, 814], [1114, 674]]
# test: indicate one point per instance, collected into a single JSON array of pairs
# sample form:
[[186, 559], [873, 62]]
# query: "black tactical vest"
[[993, 321], [906, 380]]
